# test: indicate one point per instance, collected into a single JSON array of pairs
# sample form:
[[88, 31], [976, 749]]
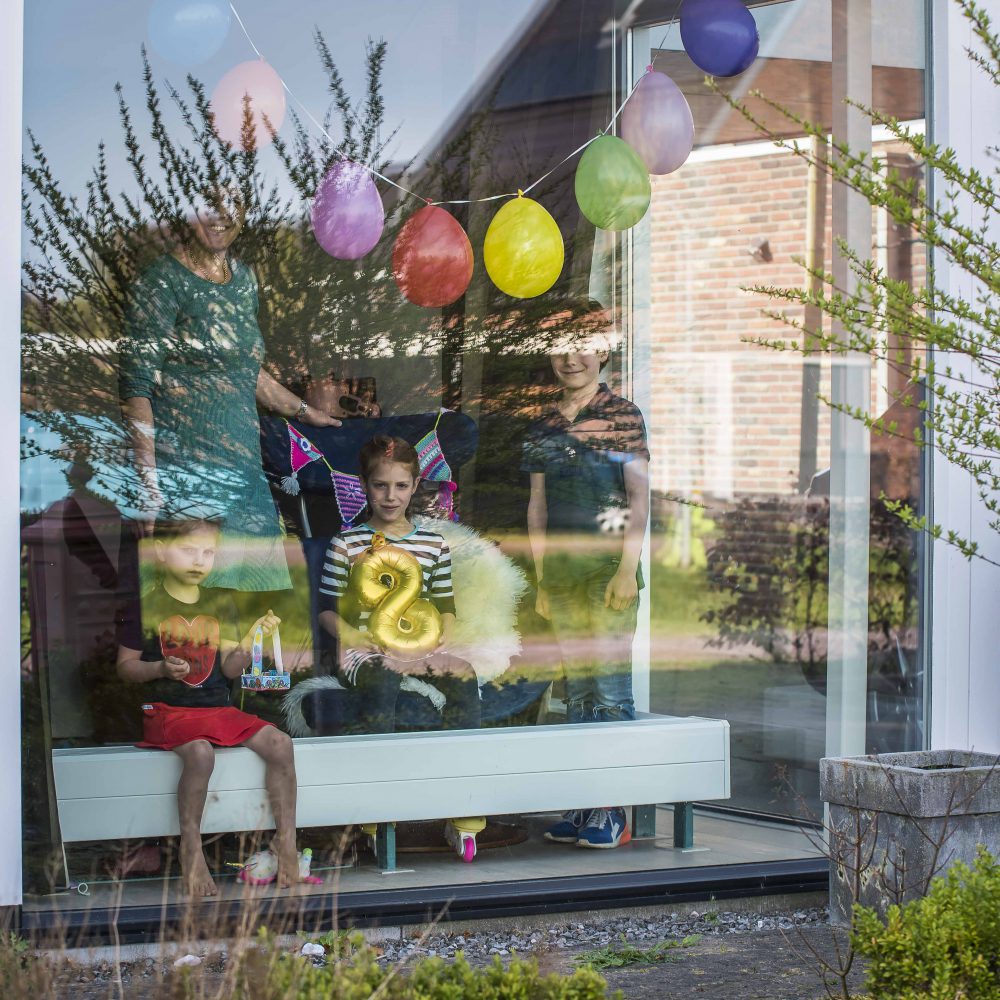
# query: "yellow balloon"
[[388, 581], [523, 249]]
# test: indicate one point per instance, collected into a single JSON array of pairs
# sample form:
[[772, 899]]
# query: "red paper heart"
[[195, 641]]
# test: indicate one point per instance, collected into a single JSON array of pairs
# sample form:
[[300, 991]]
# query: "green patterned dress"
[[194, 349]]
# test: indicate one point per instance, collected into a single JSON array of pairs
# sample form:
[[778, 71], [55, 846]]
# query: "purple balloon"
[[657, 123], [347, 213], [720, 36]]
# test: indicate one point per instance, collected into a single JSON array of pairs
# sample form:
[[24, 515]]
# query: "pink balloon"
[[432, 258], [657, 123], [257, 80], [347, 213]]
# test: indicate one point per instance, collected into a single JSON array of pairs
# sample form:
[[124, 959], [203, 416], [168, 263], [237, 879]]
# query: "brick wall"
[[725, 414]]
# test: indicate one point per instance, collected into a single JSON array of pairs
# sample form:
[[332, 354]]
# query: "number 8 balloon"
[[388, 581]]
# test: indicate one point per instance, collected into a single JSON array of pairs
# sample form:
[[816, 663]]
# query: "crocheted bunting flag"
[[434, 468], [433, 465], [303, 451], [349, 495]]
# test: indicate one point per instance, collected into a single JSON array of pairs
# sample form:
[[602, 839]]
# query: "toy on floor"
[[261, 868]]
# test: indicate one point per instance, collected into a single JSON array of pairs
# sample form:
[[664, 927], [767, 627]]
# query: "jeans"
[[595, 643], [377, 688]]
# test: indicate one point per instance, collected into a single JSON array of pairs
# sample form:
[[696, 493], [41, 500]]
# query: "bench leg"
[[385, 846], [643, 821], [683, 825]]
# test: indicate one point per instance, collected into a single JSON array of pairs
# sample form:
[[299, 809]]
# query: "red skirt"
[[165, 727]]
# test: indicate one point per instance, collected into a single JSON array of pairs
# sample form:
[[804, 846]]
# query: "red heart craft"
[[195, 641]]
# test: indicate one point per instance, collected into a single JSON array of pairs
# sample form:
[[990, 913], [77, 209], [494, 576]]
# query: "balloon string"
[[456, 201], [666, 35], [309, 114]]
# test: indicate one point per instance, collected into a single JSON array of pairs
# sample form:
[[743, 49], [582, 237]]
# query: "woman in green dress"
[[190, 382]]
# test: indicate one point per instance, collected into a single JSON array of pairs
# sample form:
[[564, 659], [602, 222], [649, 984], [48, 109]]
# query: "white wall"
[[10, 355], [965, 618]]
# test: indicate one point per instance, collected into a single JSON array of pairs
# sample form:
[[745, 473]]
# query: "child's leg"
[[610, 668], [569, 606], [275, 748], [198, 758]]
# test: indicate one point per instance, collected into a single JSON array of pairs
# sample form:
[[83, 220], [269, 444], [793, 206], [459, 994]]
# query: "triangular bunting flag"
[[349, 495], [303, 451]]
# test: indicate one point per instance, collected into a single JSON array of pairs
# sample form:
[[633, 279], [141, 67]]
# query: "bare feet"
[[198, 879], [288, 863]]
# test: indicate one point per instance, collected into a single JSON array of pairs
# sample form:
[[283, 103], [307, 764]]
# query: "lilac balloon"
[[657, 123], [720, 36], [347, 213]]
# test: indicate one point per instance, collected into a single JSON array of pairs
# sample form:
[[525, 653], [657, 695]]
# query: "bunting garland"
[[348, 492]]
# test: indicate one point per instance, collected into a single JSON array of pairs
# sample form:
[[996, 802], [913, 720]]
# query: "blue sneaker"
[[605, 828], [568, 828]]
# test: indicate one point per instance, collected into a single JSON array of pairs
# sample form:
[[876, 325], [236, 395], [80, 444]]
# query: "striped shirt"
[[430, 550]]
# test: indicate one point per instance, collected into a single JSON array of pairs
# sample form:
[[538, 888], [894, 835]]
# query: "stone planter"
[[899, 820]]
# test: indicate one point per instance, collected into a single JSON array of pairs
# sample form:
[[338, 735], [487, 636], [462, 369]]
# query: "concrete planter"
[[899, 820]]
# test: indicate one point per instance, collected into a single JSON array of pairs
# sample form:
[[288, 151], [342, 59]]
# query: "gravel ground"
[[745, 955], [597, 932]]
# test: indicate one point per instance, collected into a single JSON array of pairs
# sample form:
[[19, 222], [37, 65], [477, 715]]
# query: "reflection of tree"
[[770, 567], [890, 318], [88, 252]]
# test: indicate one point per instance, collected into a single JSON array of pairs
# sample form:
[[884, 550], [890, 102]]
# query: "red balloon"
[[432, 258]]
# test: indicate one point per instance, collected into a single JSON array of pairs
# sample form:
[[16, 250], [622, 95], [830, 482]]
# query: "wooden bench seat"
[[121, 792]]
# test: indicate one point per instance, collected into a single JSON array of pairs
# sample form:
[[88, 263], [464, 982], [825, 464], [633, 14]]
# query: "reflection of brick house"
[[725, 414]]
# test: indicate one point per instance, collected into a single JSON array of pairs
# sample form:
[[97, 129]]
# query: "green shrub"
[[267, 972], [22, 976], [942, 947]]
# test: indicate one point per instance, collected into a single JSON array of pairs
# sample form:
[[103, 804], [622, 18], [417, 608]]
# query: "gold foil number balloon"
[[387, 581]]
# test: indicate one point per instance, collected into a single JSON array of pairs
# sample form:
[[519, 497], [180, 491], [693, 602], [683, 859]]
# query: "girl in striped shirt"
[[390, 471]]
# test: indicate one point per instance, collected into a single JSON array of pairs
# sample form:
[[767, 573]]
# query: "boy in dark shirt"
[[589, 470], [184, 642]]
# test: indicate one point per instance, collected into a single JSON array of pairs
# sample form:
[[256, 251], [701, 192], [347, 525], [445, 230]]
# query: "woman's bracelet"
[[301, 411]]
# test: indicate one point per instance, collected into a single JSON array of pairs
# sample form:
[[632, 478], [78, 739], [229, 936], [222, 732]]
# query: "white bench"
[[112, 793]]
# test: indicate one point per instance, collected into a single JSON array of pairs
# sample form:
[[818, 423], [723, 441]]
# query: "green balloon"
[[612, 184]]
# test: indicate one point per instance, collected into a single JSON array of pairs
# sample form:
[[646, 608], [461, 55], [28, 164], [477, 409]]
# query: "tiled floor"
[[719, 840]]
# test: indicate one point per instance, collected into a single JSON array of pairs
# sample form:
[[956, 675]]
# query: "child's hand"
[[268, 623], [175, 669], [354, 638], [621, 591]]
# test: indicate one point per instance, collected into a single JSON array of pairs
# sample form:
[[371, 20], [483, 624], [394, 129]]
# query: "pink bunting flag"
[[303, 451]]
